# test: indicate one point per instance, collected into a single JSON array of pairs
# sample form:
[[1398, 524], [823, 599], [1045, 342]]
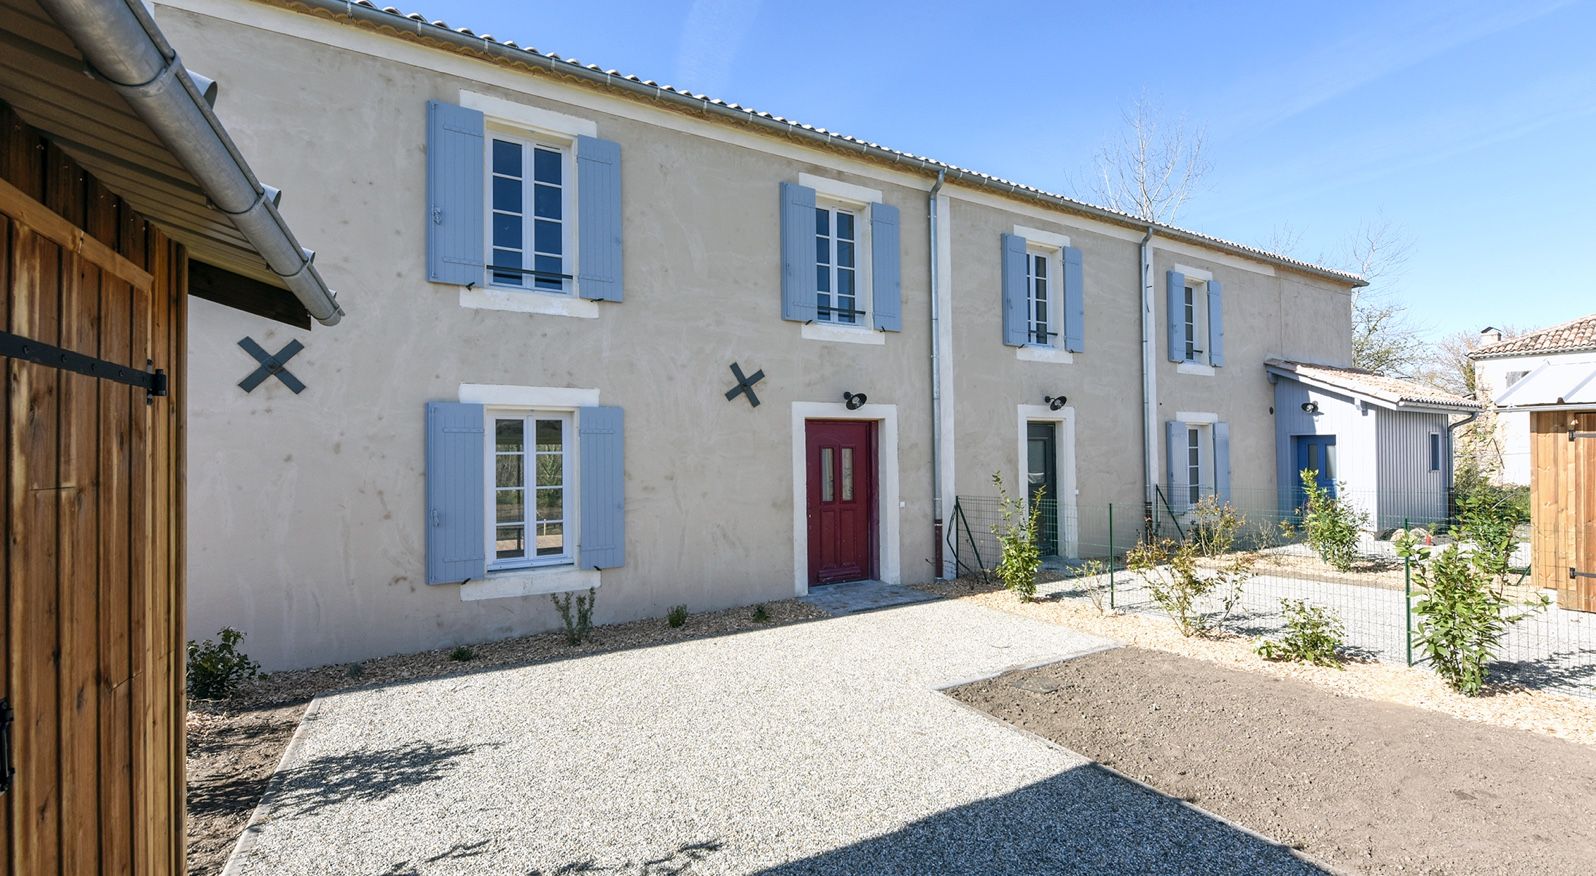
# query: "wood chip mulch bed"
[[234, 745], [1364, 786]]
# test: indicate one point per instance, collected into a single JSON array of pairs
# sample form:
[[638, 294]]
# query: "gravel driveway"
[[817, 748]]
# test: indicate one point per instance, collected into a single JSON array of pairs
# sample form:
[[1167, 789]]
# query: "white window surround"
[[531, 118], [1198, 279], [534, 581], [835, 194], [1204, 421], [888, 505], [527, 301], [1052, 244], [567, 486], [1068, 491]]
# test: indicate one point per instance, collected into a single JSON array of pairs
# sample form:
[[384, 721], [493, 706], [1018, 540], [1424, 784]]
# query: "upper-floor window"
[[530, 490], [837, 298], [1038, 282], [529, 221], [1195, 317]]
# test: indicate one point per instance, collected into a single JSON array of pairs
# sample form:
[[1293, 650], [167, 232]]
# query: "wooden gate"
[[1563, 506], [92, 519]]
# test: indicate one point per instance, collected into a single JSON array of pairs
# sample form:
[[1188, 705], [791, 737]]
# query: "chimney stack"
[[1490, 335]]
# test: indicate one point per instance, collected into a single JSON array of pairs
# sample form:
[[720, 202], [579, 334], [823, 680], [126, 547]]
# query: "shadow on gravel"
[[1085, 820], [362, 776], [1573, 670]]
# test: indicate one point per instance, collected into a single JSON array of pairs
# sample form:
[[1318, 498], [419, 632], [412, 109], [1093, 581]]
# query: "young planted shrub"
[[1489, 525], [1462, 616], [1330, 524], [1020, 557], [677, 616], [576, 611], [216, 669], [1312, 635], [462, 653], [1169, 569], [761, 614], [1092, 577], [1215, 526]]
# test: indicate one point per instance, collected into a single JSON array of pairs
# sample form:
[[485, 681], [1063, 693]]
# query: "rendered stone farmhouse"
[[556, 268]]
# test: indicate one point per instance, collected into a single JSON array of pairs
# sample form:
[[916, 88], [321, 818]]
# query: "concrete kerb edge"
[[1146, 788], [246, 839]]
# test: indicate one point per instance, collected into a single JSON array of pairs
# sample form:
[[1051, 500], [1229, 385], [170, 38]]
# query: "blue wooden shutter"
[[1222, 461], [598, 218], [797, 252], [1016, 325], [456, 503], [1074, 301], [1175, 283], [1216, 324], [603, 485], [454, 194], [885, 285], [1175, 490]]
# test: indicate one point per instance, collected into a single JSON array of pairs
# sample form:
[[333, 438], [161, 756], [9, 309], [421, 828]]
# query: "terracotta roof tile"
[[1574, 336]]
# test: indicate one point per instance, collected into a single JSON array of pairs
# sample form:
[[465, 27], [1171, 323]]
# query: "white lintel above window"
[[530, 117], [1195, 274], [1038, 237], [839, 190]]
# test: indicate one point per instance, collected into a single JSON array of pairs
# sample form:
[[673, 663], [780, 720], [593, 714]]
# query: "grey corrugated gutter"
[[121, 43], [475, 44]]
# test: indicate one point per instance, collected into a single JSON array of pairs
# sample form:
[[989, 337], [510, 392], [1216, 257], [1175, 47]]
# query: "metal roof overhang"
[[45, 78], [1566, 386]]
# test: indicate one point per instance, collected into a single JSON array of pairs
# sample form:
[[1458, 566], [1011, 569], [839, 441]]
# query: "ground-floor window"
[[529, 491]]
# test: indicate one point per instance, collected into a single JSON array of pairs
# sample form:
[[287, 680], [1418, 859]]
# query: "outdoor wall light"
[[854, 400], [1055, 402], [1310, 407]]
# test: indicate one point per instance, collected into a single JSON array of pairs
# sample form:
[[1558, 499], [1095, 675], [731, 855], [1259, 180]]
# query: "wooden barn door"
[[1582, 515], [92, 523]]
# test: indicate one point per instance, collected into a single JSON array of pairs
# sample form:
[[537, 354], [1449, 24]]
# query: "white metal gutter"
[[123, 46]]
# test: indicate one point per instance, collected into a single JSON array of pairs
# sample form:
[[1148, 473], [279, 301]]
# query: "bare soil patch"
[[1553, 714], [234, 745], [1366, 786]]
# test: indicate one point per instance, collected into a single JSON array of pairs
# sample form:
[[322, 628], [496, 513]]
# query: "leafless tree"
[[1154, 167], [1384, 338], [1450, 367]]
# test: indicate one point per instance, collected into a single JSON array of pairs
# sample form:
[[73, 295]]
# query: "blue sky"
[[1469, 125]]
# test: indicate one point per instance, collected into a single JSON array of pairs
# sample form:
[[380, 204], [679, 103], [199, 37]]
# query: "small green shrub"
[[1490, 526], [761, 614], [1092, 576], [677, 616], [1330, 524], [462, 653], [355, 670], [1170, 570], [576, 611], [1312, 635], [217, 669], [1462, 616], [1020, 557]]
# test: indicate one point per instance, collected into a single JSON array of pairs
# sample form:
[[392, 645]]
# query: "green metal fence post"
[[1111, 555], [1407, 594]]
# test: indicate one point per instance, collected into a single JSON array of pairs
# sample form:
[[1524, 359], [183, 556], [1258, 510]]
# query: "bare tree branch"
[[1154, 167]]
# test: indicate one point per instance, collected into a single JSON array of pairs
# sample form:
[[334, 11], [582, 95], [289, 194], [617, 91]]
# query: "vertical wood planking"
[[115, 402], [177, 374], [34, 400], [130, 242], [159, 593], [77, 500], [1584, 510], [6, 232]]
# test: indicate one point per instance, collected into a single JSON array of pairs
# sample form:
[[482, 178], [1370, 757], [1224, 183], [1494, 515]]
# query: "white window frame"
[[1197, 280], [863, 291], [1053, 258], [531, 140], [1434, 452], [568, 479], [831, 194], [1207, 465], [1038, 241]]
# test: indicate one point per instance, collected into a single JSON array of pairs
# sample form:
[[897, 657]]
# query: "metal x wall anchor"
[[271, 365], [745, 385]]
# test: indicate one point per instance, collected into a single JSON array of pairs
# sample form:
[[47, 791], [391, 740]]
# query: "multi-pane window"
[[1194, 464], [1190, 319], [1040, 298], [527, 201], [531, 480], [836, 266], [1194, 318]]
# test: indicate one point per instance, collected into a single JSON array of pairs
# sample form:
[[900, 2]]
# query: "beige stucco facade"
[[307, 511]]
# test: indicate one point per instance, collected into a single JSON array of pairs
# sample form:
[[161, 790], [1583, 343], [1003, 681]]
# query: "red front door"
[[842, 500]]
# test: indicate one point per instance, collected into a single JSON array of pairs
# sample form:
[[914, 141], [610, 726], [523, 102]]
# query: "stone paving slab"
[[857, 596], [816, 748]]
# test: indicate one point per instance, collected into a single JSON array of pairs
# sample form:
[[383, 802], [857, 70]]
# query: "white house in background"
[[1499, 364], [1383, 442]]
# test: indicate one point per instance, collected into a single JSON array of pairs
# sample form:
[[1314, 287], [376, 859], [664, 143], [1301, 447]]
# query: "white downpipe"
[[937, 516], [1149, 377]]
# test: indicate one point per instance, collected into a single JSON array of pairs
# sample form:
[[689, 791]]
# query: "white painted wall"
[[1512, 432]]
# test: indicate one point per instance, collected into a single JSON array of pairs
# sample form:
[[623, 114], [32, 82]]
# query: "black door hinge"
[[153, 382], [7, 771]]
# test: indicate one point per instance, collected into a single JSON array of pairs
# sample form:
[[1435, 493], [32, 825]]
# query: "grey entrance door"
[[1041, 460]]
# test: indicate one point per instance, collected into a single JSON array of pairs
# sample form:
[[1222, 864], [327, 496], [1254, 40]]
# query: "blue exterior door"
[[1317, 452]]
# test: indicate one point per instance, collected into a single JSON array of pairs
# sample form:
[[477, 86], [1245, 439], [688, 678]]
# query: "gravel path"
[[817, 748]]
